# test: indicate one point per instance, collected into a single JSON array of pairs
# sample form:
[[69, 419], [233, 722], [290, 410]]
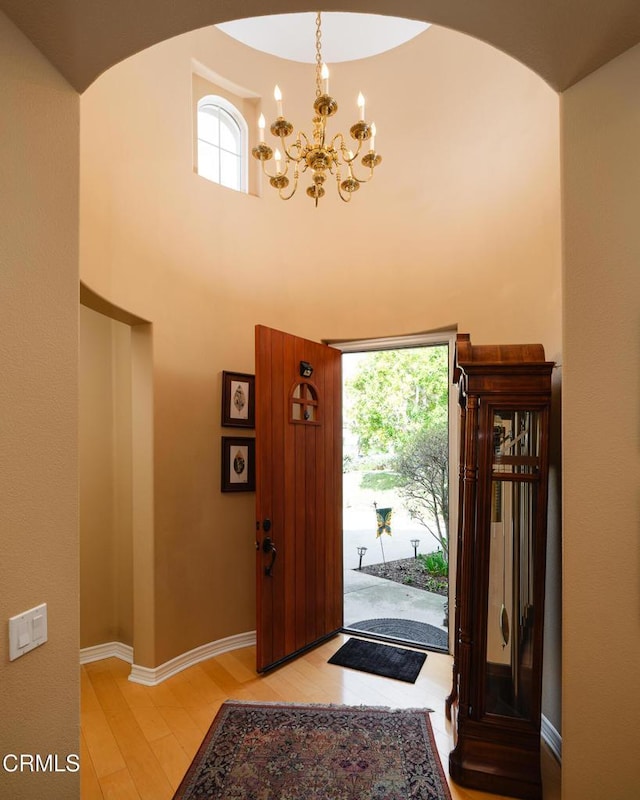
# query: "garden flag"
[[383, 518]]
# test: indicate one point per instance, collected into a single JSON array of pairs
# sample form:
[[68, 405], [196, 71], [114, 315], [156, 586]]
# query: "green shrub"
[[435, 563]]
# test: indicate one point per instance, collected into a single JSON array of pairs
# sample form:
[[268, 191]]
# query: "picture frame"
[[238, 400], [238, 464]]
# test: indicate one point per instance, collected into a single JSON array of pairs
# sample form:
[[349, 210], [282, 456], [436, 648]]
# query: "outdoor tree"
[[398, 412], [423, 465], [396, 394]]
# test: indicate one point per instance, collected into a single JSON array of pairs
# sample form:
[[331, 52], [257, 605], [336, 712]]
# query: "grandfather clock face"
[[515, 474]]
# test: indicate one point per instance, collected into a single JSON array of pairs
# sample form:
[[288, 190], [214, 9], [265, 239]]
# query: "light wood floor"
[[138, 741]]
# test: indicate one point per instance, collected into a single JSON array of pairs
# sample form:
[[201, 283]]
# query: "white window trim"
[[225, 105]]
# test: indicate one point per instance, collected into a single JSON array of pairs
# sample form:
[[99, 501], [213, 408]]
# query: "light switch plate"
[[27, 630]]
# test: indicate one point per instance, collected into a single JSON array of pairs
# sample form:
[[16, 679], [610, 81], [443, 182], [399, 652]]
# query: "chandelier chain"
[[318, 55]]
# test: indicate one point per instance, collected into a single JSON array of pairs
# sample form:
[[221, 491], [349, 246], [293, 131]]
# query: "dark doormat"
[[380, 659], [408, 629]]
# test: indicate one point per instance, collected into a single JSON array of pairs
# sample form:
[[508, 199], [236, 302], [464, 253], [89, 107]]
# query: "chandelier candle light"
[[316, 154]]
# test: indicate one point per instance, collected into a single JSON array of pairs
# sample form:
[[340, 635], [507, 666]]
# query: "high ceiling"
[[561, 40], [345, 37]]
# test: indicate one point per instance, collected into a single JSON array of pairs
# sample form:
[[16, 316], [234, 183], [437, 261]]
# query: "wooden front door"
[[298, 495]]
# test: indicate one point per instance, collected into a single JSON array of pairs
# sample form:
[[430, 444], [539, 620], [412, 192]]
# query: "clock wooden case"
[[505, 397]]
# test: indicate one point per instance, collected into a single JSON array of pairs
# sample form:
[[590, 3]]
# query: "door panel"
[[299, 489]]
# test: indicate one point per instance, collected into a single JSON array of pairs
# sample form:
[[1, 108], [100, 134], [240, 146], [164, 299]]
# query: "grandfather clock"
[[505, 397]]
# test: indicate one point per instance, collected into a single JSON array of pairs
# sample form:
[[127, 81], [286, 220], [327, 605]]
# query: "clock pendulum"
[[504, 614]]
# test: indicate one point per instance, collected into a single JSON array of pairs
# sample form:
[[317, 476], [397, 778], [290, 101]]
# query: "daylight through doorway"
[[396, 492]]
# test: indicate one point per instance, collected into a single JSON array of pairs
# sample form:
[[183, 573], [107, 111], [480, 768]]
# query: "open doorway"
[[116, 490], [397, 515]]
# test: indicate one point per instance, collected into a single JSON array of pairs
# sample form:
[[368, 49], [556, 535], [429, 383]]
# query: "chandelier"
[[323, 158]]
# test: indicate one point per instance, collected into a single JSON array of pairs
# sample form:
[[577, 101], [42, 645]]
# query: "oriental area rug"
[[271, 751]]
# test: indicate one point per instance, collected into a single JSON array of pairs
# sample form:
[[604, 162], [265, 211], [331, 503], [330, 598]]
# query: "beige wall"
[[461, 226], [106, 548], [38, 391], [455, 225], [601, 172], [38, 407]]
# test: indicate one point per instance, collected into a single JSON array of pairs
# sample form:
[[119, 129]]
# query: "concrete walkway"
[[369, 597]]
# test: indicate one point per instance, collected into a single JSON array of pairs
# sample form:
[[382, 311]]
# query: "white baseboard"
[[108, 650], [552, 738], [152, 676]]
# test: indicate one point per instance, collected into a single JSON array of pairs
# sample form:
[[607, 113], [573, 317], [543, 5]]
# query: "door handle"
[[269, 547]]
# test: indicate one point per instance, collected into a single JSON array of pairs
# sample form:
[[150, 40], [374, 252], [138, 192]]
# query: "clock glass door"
[[514, 490]]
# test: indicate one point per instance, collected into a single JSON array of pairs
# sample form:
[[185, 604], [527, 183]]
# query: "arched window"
[[222, 143]]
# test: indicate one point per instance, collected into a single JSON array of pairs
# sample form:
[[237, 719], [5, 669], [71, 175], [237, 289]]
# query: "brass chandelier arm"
[[370, 159], [291, 193], [280, 181], [338, 143], [345, 196], [268, 174], [363, 180], [298, 145]]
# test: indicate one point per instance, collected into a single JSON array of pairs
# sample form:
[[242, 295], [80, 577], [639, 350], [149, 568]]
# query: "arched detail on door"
[[304, 405]]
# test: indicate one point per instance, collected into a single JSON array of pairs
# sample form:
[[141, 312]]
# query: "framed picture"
[[238, 473], [238, 400]]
